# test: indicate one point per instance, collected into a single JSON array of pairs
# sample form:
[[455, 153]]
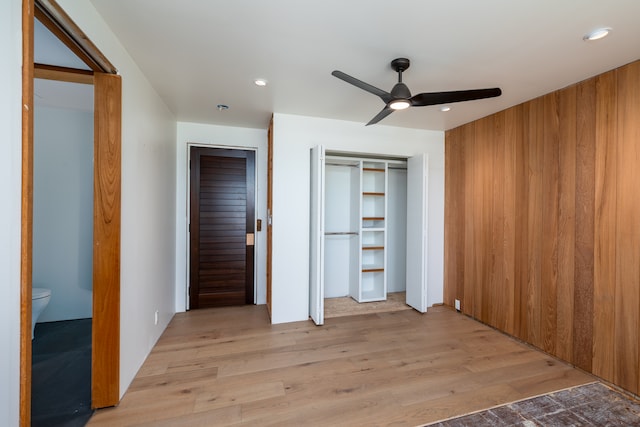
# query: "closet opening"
[[362, 232]]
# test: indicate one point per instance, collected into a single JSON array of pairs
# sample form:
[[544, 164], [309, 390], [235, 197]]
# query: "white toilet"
[[39, 299]]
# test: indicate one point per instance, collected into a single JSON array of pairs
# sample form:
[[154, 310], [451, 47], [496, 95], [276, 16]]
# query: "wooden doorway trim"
[[26, 226], [107, 170], [105, 335], [269, 209], [52, 16]]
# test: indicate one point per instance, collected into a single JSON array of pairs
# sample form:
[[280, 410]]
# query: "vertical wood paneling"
[[521, 229], [535, 129], [511, 290], [454, 230], [497, 291], [550, 240], [566, 223], [470, 273], [585, 200], [604, 281], [628, 230], [483, 217], [550, 203]]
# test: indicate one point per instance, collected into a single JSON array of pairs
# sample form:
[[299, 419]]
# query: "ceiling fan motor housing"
[[400, 90]]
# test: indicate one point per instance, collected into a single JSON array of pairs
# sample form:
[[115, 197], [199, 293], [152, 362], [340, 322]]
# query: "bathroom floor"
[[61, 374]]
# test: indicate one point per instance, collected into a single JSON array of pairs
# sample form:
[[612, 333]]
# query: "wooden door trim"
[[62, 74], [52, 16], [105, 342], [269, 209], [26, 226]]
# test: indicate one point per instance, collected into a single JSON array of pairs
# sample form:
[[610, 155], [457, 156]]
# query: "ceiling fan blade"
[[435, 98], [385, 96], [381, 115]]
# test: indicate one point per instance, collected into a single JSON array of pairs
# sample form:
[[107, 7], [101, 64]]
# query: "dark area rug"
[[589, 405], [61, 374]]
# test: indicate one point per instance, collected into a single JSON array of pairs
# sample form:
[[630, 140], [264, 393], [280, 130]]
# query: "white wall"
[[397, 236], [10, 182], [148, 199], [63, 211], [228, 137], [293, 138]]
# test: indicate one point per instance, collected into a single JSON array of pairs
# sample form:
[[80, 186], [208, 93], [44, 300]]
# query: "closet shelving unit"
[[373, 235]]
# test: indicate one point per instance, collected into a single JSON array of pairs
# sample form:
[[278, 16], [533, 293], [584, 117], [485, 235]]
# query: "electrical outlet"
[[155, 318], [458, 304]]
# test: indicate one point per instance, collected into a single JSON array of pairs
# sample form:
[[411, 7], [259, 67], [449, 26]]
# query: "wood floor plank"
[[402, 368], [229, 415]]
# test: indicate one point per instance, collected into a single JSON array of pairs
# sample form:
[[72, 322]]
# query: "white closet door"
[[417, 179], [316, 296]]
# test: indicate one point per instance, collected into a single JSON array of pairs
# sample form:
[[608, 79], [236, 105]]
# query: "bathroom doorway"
[[106, 201], [62, 250]]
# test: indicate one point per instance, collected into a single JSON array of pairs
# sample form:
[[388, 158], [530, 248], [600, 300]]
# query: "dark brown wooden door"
[[221, 227]]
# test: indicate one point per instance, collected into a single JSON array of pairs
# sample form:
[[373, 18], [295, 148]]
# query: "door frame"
[[269, 212], [106, 239], [257, 235]]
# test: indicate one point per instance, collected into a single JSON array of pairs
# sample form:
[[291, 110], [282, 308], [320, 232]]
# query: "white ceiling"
[[200, 53]]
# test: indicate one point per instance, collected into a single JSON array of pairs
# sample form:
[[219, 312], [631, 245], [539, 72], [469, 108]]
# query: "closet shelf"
[[372, 193], [373, 248], [366, 269]]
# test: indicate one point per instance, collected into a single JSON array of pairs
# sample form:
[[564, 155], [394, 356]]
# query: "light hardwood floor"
[[347, 306], [230, 366]]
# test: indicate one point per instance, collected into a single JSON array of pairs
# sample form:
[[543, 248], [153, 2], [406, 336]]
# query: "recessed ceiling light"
[[222, 107], [445, 108], [260, 82], [597, 34]]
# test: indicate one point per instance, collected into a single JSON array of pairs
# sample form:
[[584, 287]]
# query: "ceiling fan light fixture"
[[597, 34], [399, 104], [400, 96]]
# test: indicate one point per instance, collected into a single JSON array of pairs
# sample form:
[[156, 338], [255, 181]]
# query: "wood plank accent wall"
[[542, 231]]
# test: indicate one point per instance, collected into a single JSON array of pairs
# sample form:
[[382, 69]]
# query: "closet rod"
[[341, 164], [340, 233], [400, 167]]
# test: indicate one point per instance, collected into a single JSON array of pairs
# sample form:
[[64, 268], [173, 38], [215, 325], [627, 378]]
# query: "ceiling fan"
[[400, 97]]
